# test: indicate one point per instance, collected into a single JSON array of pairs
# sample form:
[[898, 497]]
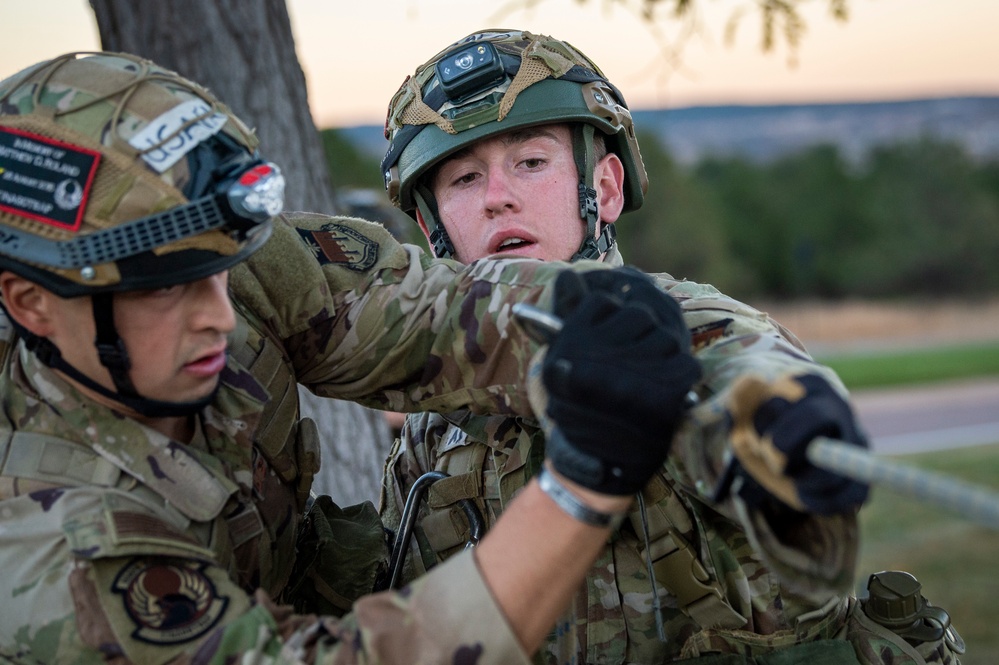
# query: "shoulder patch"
[[702, 336], [170, 601], [341, 245]]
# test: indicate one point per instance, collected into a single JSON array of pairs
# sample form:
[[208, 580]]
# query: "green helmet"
[[495, 81], [115, 175]]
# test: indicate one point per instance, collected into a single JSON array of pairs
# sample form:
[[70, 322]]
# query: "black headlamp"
[[257, 194], [469, 69], [251, 188]]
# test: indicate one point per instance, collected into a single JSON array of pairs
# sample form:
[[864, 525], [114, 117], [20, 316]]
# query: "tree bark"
[[244, 52]]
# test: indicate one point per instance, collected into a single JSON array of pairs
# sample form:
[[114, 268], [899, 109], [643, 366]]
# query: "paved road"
[[939, 416]]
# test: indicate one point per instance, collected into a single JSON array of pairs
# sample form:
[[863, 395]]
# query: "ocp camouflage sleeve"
[[816, 559], [182, 608], [386, 325]]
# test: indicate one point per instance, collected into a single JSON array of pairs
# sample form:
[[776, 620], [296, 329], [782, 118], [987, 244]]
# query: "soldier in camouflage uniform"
[[513, 144], [153, 474]]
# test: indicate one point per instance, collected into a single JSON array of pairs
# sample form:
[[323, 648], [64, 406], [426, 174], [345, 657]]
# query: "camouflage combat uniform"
[[730, 582], [118, 544]]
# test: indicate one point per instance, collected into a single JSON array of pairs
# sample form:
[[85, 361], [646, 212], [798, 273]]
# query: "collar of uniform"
[[167, 467]]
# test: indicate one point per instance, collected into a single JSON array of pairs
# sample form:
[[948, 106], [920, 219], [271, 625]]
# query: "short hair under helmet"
[[116, 174], [492, 82], [119, 175]]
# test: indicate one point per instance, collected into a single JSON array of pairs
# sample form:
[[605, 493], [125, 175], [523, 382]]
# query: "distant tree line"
[[916, 218], [912, 219]]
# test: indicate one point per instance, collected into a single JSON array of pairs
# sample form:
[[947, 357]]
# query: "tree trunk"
[[356, 441], [244, 52]]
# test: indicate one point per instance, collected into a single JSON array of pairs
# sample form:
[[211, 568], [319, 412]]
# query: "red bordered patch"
[[169, 601], [45, 179], [341, 245]]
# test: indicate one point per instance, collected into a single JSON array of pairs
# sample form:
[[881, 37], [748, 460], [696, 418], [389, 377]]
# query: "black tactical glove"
[[773, 424], [616, 376], [628, 286]]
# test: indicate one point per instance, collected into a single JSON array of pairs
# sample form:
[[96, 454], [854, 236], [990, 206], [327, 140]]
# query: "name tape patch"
[[162, 155], [44, 179]]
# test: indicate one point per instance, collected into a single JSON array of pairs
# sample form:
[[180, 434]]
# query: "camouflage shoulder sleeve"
[[364, 318], [92, 572], [731, 339], [80, 583]]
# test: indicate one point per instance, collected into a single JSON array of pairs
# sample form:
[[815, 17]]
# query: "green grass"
[[956, 561], [868, 370]]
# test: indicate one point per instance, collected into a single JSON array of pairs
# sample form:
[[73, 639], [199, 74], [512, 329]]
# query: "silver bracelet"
[[573, 507]]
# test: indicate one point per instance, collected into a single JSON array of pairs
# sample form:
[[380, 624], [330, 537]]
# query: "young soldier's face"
[[175, 337], [516, 195]]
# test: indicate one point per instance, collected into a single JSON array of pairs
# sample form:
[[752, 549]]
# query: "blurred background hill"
[[761, 133], [878, 200]]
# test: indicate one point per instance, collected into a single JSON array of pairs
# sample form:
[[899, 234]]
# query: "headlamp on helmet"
[[468, 70], [258, 194]]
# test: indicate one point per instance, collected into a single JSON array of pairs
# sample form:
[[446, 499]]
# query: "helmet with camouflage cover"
[[495, 81], [116, 175]]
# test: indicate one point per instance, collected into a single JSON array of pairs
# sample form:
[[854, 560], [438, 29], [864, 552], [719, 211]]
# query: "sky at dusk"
[[355, 54]]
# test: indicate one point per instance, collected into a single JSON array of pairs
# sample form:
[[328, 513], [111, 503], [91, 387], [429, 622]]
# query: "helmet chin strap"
[[110, 346], [594, 248], [114, 357], [440, 241], [584, 154]]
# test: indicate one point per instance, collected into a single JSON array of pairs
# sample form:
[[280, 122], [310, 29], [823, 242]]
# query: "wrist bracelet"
[[573, 507]]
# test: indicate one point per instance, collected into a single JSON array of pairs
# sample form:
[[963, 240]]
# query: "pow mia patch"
[[45, 179], [169, 601], [341, 245]]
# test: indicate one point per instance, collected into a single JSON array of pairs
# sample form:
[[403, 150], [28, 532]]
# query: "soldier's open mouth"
[[513, 243]]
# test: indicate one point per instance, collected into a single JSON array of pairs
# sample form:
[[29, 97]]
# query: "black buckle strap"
[[441, 242], [587, 201], [592, 248]]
